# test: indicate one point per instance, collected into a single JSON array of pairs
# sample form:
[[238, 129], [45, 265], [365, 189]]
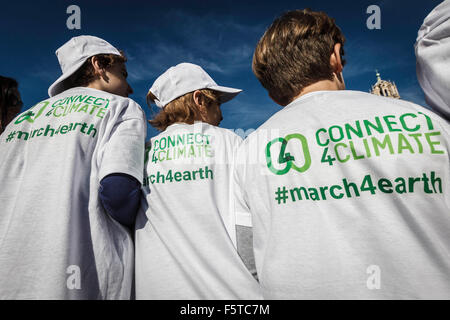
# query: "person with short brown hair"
[[348, 192], [295, 52]]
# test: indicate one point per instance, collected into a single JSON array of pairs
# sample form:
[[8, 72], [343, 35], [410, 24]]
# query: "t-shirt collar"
[[309, 94], [183, 124]]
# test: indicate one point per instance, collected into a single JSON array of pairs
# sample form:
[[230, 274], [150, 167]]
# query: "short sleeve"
[[123, 151], [241, 209], [432, 51]]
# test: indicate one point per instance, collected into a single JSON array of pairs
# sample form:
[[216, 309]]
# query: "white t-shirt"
[[185, 232], [432, 52], [56, 240], [349, 195]]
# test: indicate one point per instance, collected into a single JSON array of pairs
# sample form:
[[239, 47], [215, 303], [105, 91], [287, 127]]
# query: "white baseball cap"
[[432, 50], [184, 78], [74, 53]]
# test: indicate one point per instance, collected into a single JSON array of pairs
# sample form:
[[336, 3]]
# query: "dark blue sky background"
[[218, 35]]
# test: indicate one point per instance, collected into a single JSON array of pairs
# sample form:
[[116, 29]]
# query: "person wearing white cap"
[[185, 231], [71, 169], [432, 50]]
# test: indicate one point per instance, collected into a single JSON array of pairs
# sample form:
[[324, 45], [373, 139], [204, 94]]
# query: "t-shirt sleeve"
[[124, 151], [432, 64], [241, 209]]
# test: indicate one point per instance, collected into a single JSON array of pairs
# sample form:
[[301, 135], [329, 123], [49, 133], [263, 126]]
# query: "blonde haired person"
[[185, 237], [348, 191]]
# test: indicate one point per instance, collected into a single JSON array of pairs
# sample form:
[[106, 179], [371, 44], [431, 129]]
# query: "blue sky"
[[218, 35]]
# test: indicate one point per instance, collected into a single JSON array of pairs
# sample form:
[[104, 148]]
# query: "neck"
[[323, 85], [95, 85]]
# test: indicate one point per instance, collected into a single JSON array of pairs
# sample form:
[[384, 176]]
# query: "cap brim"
[[228, 93], [57, 86]]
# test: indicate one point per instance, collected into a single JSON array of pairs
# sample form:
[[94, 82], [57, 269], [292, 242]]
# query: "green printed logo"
[[182, 146], [287, 158], [91, 105], [179, 176], [60, 108], [408, 133], [51, 131], [345, 189], [30, 116]]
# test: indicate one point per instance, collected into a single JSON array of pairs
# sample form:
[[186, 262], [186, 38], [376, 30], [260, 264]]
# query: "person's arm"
[[121, 163], [244, 232], [120, 196]]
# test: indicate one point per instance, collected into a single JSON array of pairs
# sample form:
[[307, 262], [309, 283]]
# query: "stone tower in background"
[[385, 88]]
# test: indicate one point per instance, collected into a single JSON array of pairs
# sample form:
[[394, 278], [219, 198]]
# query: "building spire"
[[378, 75], [384, 88]]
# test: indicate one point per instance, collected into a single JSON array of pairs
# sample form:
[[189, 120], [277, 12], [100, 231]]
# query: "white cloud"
[[208, 40]]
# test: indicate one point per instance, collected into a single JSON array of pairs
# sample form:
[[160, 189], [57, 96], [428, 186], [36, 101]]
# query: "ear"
[[95, 63], [335, 59], [197, 98], [97, 68], [201, 107]]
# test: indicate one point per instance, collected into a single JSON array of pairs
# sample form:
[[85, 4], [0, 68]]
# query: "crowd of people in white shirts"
[[335, 185]]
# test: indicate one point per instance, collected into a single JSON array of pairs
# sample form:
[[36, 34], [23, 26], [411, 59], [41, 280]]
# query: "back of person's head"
[[86, 74], [89, 61], [10, 101], [294, 53], [183, 109], [187, 93]]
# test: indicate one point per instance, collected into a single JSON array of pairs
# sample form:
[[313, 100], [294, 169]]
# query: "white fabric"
[[56, 240], [185, 232], [433, 58], [373, 246], [184, 78], [74, 53]]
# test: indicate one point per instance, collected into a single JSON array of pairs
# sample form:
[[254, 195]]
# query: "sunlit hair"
[[182, 109], [86, 73], [294, 53]]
